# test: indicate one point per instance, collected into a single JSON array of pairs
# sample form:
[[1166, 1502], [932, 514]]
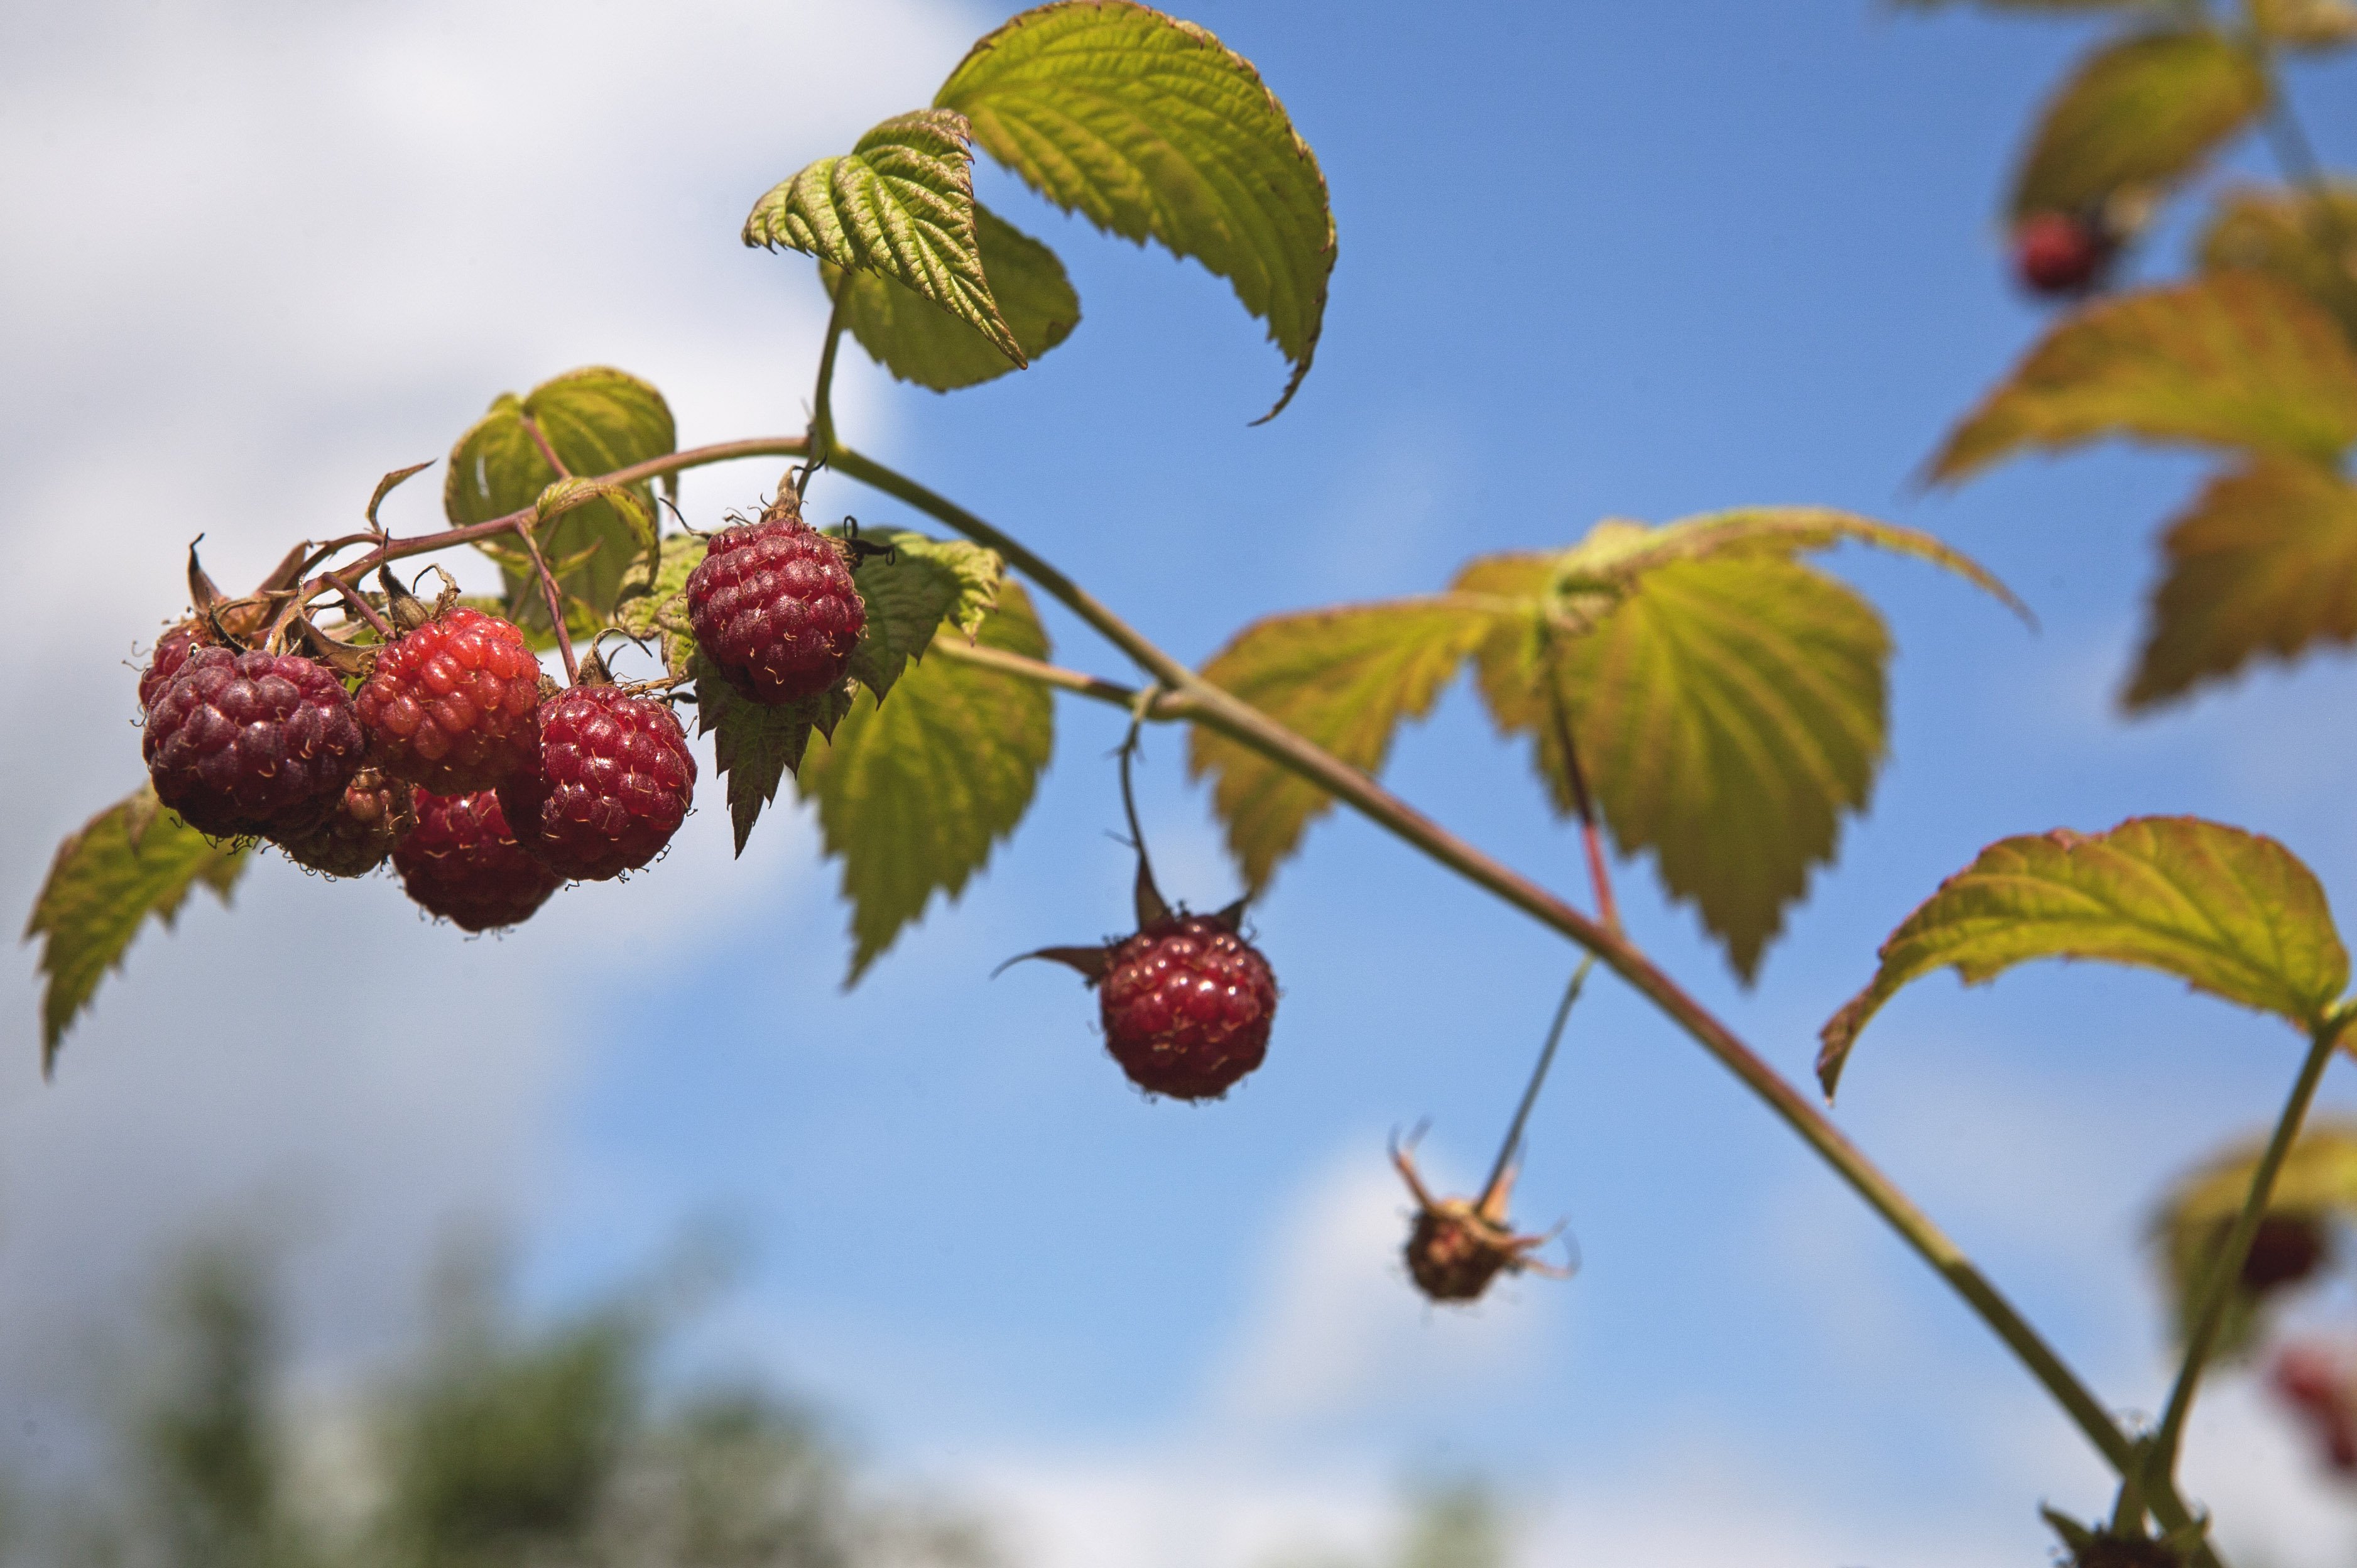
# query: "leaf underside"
[[2318, 1181], [917, 341], [754, 746], [2139, 115]]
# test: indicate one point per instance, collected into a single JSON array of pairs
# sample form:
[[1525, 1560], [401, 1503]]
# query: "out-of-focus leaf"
[[900, 206], [2302, 240], [2263, 565], [2234, 359], [2304, 25], [1147, 125], [2138, 115], [913, 793], [911, 593], [133, 860], [754, 746], [917, 342], [2317, 1184], [2228, 912]]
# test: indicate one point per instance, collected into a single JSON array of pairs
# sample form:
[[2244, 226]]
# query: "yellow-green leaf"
[[2307, 241], [913, 793], [1150, 126], [899, 205], [2304, 25], [662, 605], [2140, 114], [2317, 1183], [922, 584], [2228, 912], [1343, 678], [131, 861], [2234, 359], [919, 343], [2264, 564]]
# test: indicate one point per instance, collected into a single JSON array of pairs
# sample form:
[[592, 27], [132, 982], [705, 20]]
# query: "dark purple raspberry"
[[241, 743], [1187, 1007], [171, 651], [353, 836], [461, 863], [2286, 1250], [2058, 254], [449, 707], [612, 782], [773, 607], [1453, 1253]]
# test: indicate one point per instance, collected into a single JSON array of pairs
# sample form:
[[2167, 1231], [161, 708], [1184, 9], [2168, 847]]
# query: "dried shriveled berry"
[[242, 743], [2058, 253], [461, 863], [1458, 1245], [2286, 1250], [773, 607], [449, 705], [172, 650], [1187, 1006], [353, 836], [611, 783]]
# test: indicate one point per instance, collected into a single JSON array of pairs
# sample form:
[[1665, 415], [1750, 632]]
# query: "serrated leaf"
[[1343, 678], [2307, 241], [911, 593], [596, 420], [2304, 25], [2317, 1181], [917, 342], [131, 861], [913, 793], [2228, 912], [2234, 359], [753, 745], [664, 605], [900, 205], [2263, 565], [2140, 114], [1149, 126]]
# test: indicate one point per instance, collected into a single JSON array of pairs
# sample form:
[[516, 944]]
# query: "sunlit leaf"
[[910, 592], [2303, 241], [2227, 911], [917, 342], [2139, 113], [2304, 25], [2316, 1185], [1147, 125]]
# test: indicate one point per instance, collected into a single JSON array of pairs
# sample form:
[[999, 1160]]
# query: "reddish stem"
[[1591, 841], [358, 603], [547, 453], [556, 599]]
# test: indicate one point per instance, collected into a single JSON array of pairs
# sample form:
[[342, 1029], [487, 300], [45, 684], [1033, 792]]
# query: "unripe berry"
[[461, 863], [357, 832], [1187, 1006], [773, 608], [1453, 1254], [242, 743], [612, 781], [449, 705], [2057, 254]]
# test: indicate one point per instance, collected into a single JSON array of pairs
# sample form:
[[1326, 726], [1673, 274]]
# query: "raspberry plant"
[[1697, 691]]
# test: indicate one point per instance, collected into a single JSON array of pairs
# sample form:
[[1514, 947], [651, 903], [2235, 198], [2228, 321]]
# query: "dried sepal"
[[1457, 1246]]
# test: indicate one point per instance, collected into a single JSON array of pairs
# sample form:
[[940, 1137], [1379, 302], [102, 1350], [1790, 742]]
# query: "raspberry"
[[1187, 1006], [172, 650], [773, 607], [461, 863], [354, 834], [2286, 1250], [240, 742], [611, 783], [1458, 1245], [2059, 254], [449, 707]]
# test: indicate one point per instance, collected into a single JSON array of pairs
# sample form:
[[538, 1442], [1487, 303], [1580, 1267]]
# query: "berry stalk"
[[1501, 1171], [548, 591]]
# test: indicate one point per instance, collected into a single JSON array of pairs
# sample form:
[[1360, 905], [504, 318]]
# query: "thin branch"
[[822, 427], [547, 453], [1538, 1076], [358, 603], [555, 598], [1599, 878]]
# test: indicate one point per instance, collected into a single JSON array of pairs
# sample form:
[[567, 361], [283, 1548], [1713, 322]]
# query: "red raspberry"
[[2286, 1250], [238, 743], [1187, 1007], [611, 783], [461, 863], [2059, 254], [353, 836], [172, 650], [449, 707], [2308, 1377], [773, 607]]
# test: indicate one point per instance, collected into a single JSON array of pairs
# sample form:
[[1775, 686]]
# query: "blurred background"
[[325, 1199]]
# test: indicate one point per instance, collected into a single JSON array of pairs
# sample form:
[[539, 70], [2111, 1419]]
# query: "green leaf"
[[900, 205], [662, 606], [2226, 911], [2308, 242], [1149, 126], [913, 793], [2140, 114], [919, 343], [754, 746], [2317, 1183], [2263, 565], [2234, 359], [1343, 678], [910, 592], [596, 420], [131, 861], [2306, 26]]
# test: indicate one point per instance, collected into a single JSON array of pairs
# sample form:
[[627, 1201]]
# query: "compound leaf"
[[923, 584], [2226, 911], [2138, 115], [2234, 359], [2307, 241], [2264, 564], [900, 205], [919, 343], [755, 745], [913, 793], [1150, 126], [133, 860], [2317, 1185]]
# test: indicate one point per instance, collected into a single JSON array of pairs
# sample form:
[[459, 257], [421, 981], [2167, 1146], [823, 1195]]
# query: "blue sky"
[[1595, 261]]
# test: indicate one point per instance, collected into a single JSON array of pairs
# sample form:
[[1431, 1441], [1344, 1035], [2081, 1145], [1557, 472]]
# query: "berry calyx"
[[449, 705], [2286, 1250], [172, 650], [2062, 253], [1457, 1246], [611, 783], [461, 863], [774, 608], [357, 830], [242, 743], [1187, 1006]]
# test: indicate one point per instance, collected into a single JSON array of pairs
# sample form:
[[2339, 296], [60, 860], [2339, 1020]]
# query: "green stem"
[[822, 426]]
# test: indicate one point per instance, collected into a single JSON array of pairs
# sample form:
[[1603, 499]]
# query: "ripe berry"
[[2286, 1250], [240, 742], [773, 607], [461, 863], [611, 782], [449, 707], [357, 830], [1186, 1005], [171, 651], [2058, 253]]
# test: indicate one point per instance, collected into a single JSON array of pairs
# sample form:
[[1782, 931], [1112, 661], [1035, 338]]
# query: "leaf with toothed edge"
[[916, 341], [921, 586], [755, 747]]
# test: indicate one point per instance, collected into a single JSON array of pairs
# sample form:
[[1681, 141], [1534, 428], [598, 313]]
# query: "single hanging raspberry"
[[449, 705], [2060, 254], [241, 743], [357, 832], [1458, 1245], [172, 650], [612, 781], [461, 863], [773, 607]]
